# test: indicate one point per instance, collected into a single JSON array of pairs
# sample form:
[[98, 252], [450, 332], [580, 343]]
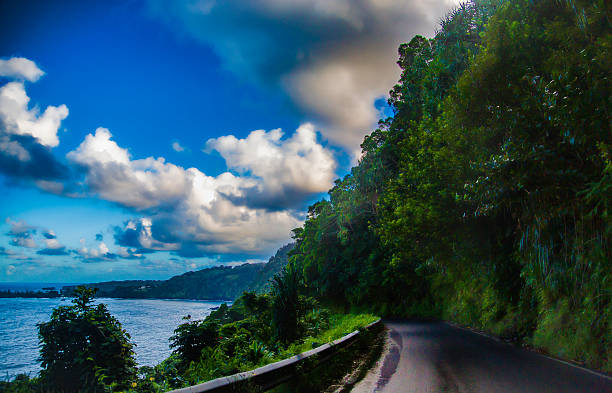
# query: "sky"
[[141, 139]]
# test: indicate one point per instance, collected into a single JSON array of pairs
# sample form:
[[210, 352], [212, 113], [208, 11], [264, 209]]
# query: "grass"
[[340, 326], [348, 365]]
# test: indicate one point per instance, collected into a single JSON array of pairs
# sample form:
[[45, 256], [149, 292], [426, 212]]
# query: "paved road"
[[436, 357]]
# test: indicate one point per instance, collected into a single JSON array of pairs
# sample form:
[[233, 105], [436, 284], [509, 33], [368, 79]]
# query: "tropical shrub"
[[83, 348]]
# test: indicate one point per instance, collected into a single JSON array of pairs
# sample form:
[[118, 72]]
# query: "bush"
[[191, 337], [84, 348], [286, 305]]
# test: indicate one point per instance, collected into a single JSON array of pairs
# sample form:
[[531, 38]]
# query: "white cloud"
[[54, 187], [334, 58], [26, 134], [100, 253], [25, 241], [128, 253], [288, 169], [53, 244], [177, 147], [20, 68], [341, 90], [17, 119], [22, 234], [19, 228], [139, 184], [100, 150], [192, 213], [103, 248]]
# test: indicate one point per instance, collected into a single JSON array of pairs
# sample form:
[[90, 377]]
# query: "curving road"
[[436, 357]]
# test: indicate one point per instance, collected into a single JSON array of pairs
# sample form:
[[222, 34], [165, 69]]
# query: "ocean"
[[150, 323]]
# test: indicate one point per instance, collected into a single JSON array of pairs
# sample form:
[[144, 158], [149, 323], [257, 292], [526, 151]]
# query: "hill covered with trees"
[[486, 198], [215, 283]]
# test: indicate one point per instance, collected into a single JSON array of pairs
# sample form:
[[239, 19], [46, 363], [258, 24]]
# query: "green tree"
[[83, 348], [191, 337], [287, 305]]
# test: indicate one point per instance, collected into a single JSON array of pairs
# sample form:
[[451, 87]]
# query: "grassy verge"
[[342, 371], [242, 341], [339, 325]]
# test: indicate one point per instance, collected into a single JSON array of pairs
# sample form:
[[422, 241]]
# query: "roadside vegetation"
[[256, 330], [486, 199], [85, 349]]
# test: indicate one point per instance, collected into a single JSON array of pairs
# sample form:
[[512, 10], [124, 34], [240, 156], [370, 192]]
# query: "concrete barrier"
[[273, 374]]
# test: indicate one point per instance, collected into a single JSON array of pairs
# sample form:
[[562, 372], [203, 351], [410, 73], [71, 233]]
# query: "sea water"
[[150, 323]]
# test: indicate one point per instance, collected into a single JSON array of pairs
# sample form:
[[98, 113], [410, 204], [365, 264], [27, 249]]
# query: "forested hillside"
[[262, 282], [215, 283], [486, 198]]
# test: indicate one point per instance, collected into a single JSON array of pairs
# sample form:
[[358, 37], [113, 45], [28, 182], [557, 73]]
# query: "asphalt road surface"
[[436, 357]]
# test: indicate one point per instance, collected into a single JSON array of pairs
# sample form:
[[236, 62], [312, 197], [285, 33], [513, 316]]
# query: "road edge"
[[531, 349]]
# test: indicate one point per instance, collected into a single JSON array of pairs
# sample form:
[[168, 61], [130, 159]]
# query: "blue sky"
[[143, 139]]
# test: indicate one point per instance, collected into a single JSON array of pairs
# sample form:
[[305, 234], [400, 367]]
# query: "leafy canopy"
[[83, 348]]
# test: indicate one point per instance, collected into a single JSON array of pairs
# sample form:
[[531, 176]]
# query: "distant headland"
[[215, 283]]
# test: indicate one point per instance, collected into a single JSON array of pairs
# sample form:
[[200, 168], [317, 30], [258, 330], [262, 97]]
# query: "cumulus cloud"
[[193, 214], [138, 184], [100, 253], [21, 233], [26, 134], [289, 169], [17, 119], [10, 254], [49, 234], [25, 241], [52, 246], [10, 270], [19, 228], [129, 253], [22, 157], [20, 68], [334, 58], [177, 147], [138, 234]]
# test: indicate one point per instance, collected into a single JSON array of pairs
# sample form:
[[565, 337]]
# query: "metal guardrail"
[[273, 374]]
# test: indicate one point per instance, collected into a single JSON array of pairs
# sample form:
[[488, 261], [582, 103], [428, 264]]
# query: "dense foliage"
[[84, 348], [248, 335], [486, 198]]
